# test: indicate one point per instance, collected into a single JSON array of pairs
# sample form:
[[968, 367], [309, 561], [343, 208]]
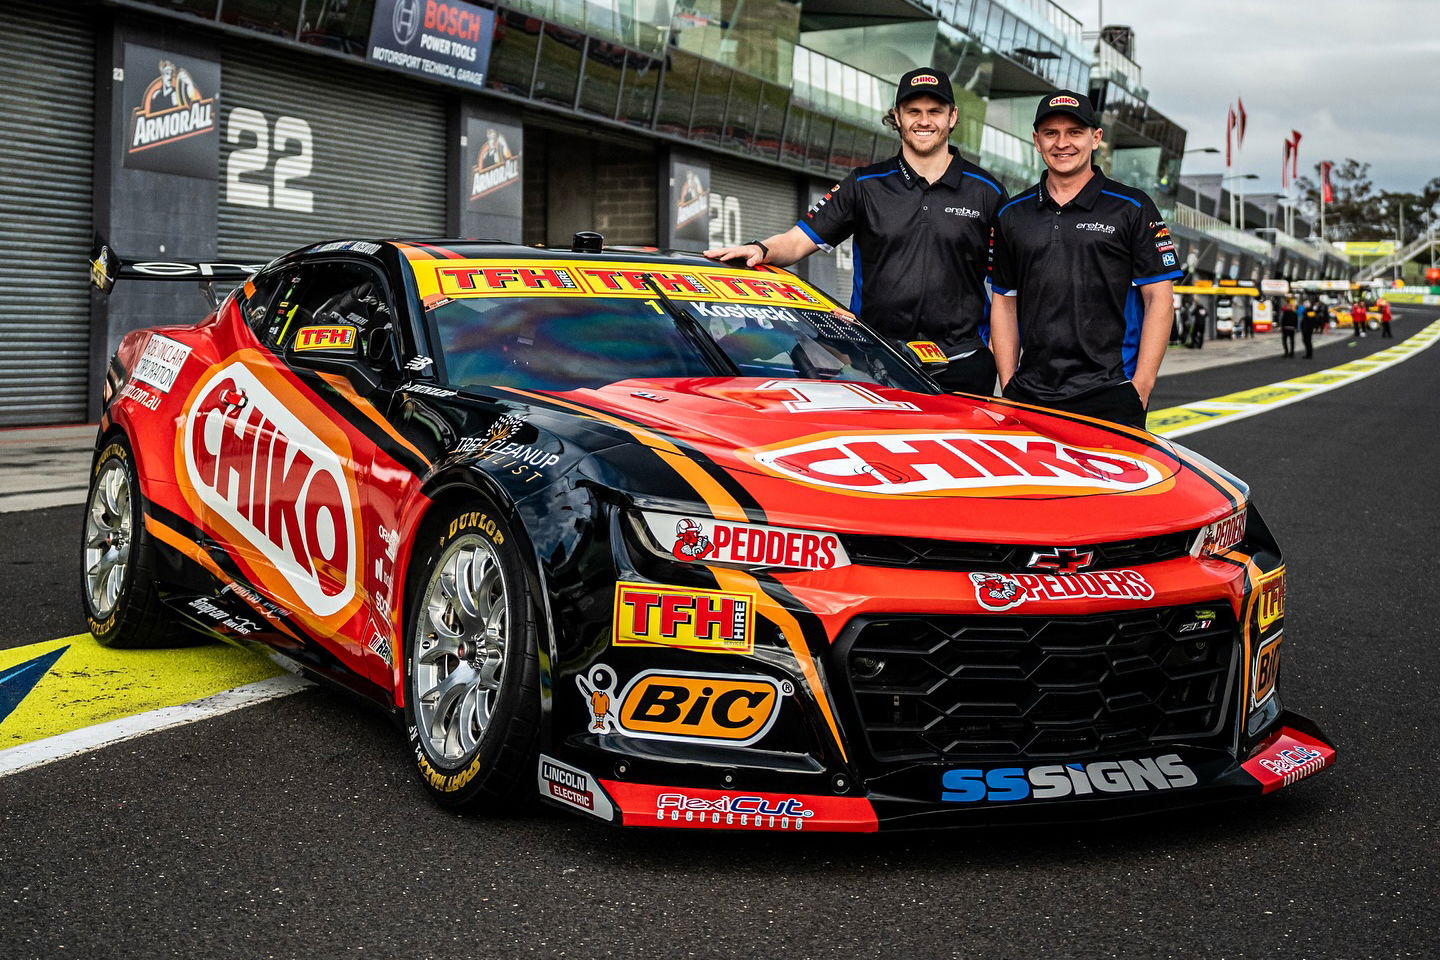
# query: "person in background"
[[1357, 317], [1288, 322], [1247, 316], [1383, 306], [1310, 321], [1198, 320]]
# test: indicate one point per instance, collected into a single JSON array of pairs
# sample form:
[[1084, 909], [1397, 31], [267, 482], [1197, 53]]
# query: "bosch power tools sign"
[[441, 39]]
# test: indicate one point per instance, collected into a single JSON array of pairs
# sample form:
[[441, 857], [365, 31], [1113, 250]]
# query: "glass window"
[[561, 343], [821, 129], [278, 17], [336, 26], [512, 57], [559, 65], [711, 97], [642, 79], [740, 117], [840, 155], [678, 95], [604, 63], [336, 292], [770, 120], [254, 297], [795, 144]]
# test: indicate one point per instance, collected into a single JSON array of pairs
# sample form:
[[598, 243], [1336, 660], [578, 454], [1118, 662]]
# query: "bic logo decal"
[[1265, 671], [727, 709], [256, 464], [927, 351], [1272, 597], [326, 338], [689, 618], [949, 464]]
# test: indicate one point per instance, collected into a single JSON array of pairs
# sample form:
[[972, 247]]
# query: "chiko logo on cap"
[[923, 79], [1064, 102]]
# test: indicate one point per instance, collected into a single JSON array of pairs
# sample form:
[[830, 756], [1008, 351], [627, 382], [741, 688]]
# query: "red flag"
[[1229, 130], [1240, 133], [1285, 167], [1295, 154], [1327, 193]]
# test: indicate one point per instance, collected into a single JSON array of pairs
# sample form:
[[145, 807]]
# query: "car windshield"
[[568, 343]]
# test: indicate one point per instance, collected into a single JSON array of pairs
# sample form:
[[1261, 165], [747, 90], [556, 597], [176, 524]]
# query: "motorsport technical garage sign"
[[442, 39]]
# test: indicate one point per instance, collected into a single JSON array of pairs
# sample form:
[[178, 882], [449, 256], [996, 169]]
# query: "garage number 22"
[[254, 193]]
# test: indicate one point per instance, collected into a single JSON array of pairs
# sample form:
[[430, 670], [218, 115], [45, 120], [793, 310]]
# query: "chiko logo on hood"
[[1002, 591], [262, 470], [974, 464]]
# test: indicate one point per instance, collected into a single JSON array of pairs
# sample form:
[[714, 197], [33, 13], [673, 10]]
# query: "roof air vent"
[[587, 241]]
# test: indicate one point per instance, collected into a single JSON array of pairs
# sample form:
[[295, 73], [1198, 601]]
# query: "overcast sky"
[[1357, 79]]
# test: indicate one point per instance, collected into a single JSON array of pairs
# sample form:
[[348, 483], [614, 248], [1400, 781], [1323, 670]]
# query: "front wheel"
[[471, 675]]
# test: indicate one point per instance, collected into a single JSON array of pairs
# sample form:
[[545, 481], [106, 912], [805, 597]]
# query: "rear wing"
[[107, 266]]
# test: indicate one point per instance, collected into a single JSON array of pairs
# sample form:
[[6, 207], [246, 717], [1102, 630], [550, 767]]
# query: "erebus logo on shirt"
[[269, 476], [963, 212], [1095, 227]]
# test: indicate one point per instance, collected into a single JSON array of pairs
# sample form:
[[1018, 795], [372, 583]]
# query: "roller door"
[[47, 123], [312, 148]]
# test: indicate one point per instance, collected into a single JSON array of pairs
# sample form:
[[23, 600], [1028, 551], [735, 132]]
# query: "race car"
[[670, 542]]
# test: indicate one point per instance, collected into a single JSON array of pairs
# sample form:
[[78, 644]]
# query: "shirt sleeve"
[[1153, 256], [1003, 276], [832, 218]]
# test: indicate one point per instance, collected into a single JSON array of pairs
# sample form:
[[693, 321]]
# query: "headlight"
[[698, 539], [1220, 535]]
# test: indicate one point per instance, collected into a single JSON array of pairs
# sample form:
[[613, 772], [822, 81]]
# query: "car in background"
[[675, 543]]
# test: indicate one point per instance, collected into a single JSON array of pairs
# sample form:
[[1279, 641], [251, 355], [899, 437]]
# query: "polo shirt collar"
[[1085, 199], [952, 172]]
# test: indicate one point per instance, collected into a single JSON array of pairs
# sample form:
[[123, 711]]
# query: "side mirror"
[[336, 348]]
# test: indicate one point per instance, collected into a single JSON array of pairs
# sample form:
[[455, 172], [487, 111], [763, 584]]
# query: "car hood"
[[867, 459]]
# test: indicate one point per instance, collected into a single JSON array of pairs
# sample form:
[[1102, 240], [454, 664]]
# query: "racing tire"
[[472, 691], [118, 588]]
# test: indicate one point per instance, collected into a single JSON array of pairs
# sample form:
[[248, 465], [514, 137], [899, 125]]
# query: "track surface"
[[295, 829]]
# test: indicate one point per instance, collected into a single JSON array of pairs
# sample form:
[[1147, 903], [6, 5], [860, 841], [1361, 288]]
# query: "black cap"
[[924, 82], [1068, 102]]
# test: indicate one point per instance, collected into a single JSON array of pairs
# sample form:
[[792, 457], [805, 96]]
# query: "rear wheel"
[[117, 581], [471, 675]]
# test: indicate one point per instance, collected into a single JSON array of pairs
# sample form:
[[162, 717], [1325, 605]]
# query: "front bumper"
[[915, 798]]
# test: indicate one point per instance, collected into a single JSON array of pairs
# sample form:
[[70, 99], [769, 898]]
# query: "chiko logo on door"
[[263, 471], [977, 464]]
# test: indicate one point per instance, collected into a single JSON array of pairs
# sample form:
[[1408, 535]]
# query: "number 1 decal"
[[811, 396]]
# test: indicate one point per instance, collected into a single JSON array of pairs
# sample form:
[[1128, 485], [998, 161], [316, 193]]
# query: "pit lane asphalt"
[[295, 829]]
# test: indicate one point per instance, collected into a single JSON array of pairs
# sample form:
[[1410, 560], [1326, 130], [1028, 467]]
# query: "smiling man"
[[1083, 274], [921, 222]]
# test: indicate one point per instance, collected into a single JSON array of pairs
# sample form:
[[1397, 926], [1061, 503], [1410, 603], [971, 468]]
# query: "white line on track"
[[1230, 411], [39, 752]]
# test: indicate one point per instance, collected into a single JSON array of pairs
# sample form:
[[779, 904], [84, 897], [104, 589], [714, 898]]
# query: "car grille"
[[1019, 687], [879, 551]]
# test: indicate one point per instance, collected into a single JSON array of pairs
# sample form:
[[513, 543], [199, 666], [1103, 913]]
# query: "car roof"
[[479, 249]]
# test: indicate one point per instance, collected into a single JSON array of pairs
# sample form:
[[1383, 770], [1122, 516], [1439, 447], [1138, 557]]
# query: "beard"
[[929, 145]]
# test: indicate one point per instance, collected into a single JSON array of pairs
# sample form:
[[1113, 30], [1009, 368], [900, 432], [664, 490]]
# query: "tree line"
[[1360, 212]]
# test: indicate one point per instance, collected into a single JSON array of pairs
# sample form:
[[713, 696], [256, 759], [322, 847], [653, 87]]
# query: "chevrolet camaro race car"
[[674, 543]]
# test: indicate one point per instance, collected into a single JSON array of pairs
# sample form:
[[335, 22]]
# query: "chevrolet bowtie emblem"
[[1061, 560]]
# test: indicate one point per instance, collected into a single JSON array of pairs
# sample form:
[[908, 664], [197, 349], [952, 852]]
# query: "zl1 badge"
[[689, 618]]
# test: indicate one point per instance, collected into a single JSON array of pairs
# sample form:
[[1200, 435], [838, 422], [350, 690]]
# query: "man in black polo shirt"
[[1083, 274], [921, 222]]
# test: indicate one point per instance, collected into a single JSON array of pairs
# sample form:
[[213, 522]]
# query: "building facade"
[[235, 130]]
